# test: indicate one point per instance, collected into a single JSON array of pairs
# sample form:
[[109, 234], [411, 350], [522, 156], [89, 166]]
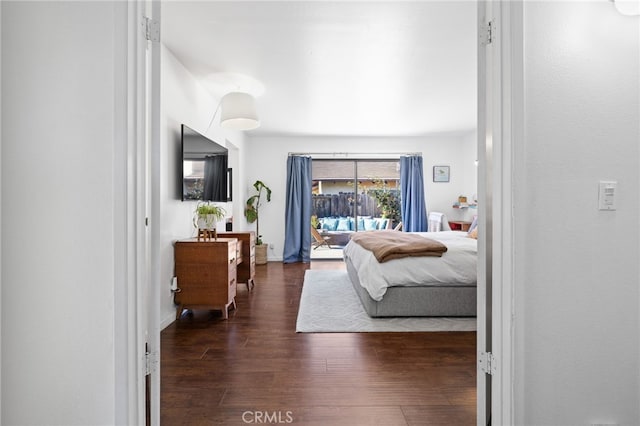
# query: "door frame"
[[500, 128], [152, 156], [485, 155], [128, 355], [136, 153]]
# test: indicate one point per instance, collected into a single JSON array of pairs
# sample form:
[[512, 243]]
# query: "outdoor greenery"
[[388, 200]]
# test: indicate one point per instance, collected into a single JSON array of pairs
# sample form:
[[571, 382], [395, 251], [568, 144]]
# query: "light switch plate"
[[607, 195]]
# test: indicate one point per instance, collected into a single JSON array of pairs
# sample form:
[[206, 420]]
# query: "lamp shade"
[[238, 111]]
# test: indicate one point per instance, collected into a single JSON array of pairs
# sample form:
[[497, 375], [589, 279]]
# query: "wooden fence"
[[341, 204]]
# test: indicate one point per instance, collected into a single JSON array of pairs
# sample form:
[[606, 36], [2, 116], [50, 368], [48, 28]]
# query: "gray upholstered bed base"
[[420, 301]]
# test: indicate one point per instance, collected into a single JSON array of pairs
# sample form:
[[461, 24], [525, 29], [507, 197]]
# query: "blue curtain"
[[297, 238], [413, 207]]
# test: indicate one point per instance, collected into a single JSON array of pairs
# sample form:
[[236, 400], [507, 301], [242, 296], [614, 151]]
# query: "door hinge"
[[486, 33], [487, 363], [150, 362], [151, 28]]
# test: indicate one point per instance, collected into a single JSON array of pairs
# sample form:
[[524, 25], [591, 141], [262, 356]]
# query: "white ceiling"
[[349, 68]]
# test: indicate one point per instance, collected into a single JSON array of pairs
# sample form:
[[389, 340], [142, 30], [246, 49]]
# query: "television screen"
[[205, 172]]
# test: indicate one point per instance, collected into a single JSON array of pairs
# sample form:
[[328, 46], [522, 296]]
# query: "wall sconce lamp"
[[628, 7], [237, 112]]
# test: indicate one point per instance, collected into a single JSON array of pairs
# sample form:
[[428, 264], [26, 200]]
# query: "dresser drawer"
[[239, 252], [233, 251], [233, 286], [246, 258]]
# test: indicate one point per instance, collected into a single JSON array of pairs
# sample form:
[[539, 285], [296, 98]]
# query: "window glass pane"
[[333, 188], [356, 188], [332, 169], [378, 191], [379, 170]]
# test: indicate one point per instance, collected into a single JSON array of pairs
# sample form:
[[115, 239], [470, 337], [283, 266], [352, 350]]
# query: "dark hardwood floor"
[[255, 369]]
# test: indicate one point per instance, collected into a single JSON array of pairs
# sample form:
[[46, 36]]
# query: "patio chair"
[[319, 239]]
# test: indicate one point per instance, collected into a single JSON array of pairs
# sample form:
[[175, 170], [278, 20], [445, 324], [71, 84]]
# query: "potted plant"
[[252, 213], [207, 215]]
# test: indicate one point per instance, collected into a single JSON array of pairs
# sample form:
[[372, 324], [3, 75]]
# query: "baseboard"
[[167, 321]]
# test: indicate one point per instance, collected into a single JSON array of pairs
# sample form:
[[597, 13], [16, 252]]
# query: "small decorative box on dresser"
[[206, 273], [246, 269]]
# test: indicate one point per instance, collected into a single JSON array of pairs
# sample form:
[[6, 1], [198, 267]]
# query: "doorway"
[[356, 190]]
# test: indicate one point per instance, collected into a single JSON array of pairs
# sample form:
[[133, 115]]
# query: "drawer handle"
[[232, 260]]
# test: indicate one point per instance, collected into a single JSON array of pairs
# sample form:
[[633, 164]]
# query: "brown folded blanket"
[[387, 245]]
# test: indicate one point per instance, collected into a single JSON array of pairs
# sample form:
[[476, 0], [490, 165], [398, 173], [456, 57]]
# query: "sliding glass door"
[[353, 195]]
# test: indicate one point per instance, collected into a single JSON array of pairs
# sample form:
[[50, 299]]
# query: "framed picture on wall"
[[441, 173]]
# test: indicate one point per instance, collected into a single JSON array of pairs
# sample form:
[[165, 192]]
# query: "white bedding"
[[456, 267]]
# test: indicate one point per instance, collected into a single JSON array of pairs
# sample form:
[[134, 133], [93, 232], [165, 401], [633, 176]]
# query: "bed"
[[417, 285]]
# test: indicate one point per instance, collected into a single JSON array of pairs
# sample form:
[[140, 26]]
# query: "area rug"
[[329, 304]]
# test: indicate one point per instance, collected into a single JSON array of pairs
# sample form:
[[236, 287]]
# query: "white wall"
[[58, 142], [268, 159], [577, 276], [185, 101]]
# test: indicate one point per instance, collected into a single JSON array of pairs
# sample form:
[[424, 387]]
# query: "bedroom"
[[264, 154]]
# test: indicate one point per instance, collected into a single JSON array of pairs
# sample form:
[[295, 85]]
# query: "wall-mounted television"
[[205, 172]]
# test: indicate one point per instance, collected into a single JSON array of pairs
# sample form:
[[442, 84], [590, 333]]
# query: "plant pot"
[[261, 254], [207, 221]]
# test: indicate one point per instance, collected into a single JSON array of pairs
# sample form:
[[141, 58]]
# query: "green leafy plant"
[[387, 200], [207, 214], [252, 208]]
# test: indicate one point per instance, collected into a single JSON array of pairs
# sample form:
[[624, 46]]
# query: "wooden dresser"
[[206, 273], [246, 269]]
